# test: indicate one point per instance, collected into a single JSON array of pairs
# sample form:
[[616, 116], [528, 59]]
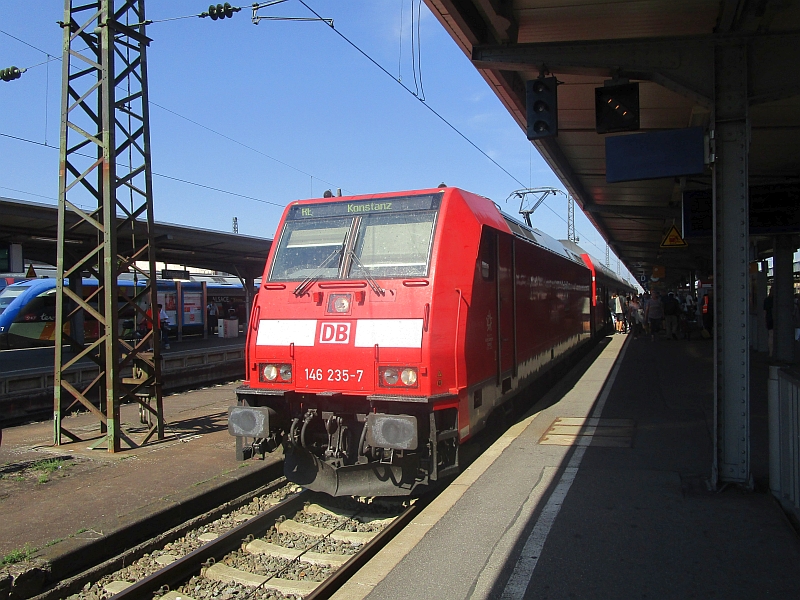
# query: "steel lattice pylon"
[[571, 219], [105, 216]]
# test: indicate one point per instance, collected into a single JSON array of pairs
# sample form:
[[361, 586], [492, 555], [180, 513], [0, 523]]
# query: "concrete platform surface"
[[55, 498], [620, 512]]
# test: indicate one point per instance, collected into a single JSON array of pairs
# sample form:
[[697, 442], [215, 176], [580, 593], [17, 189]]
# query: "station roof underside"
[[668, 47], [35, 226]]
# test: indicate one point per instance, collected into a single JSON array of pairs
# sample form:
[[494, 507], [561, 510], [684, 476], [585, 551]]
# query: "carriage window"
[[310, 248], [394, 245], [486, 255]]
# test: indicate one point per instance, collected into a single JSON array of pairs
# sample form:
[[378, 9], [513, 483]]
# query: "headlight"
[[409, 376], [339, 303], [398, 376], [270, 372], [279, 373], [390, 376]]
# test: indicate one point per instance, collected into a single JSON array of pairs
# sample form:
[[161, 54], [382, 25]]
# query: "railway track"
[[285, 544]]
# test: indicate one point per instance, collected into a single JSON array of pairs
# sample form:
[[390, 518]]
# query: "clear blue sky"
[[319, 114]]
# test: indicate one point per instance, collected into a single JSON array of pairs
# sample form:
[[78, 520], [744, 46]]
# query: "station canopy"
[[35, 226], [667, 47]]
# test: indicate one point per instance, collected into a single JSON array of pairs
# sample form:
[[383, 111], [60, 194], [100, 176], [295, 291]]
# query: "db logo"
[[334, 333]]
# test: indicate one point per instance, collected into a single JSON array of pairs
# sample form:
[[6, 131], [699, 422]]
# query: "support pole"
[[784, 299], [105, 218], [774, 429], [731, 260]]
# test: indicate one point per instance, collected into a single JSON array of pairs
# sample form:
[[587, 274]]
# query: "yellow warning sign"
[[673, 239]]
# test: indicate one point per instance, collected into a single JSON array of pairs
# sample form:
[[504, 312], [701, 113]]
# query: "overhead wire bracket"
[[528, 207], [258, 18]]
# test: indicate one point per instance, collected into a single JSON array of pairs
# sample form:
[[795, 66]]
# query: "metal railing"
[[784, 437]]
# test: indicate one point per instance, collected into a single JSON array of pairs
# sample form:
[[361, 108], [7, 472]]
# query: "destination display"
[[365, 207], [773, 209]]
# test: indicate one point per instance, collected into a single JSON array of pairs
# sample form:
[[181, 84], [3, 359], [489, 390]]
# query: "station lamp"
[[541, 101], [616, 107]]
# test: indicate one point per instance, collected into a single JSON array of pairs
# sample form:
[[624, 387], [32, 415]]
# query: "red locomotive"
[[388, 327]]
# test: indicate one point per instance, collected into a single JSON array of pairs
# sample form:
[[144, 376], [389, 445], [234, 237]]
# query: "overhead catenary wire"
[[52, 57], [431, 109], [419, 95], [162, 175]]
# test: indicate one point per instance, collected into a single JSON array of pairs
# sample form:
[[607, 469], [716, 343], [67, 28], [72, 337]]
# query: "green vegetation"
[[47, 466], [18, 555]]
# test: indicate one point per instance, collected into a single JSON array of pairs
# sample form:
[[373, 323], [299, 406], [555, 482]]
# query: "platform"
[[93, 496], [620, 511]]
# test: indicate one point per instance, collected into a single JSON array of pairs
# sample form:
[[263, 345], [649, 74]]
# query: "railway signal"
[[542, 107], [220, 11], [11, 73]]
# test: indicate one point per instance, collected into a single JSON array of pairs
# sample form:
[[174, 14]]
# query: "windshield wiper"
[[372, 283], [306, 283]]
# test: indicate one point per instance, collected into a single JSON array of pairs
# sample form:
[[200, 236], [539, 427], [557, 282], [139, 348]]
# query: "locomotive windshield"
[[390, 237], [7, 295], [308, 246]]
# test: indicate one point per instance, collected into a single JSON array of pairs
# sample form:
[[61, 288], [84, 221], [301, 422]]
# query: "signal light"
[[220, 11], [542, 107], [10, 73], [617, 108]]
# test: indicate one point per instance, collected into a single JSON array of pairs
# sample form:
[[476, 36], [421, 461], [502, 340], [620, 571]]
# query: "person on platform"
[[617, 313], [163, 321], [654, 314], [212, 317], [146, 325], [672, 310], [635, 316]]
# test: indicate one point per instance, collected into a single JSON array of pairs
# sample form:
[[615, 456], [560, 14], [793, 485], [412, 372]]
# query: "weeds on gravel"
[[46, 467], [18, 555]]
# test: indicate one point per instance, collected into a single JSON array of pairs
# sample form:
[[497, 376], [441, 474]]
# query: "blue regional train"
[[28, 308]]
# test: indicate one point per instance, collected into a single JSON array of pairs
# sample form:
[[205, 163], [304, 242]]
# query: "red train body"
[[388, 327]]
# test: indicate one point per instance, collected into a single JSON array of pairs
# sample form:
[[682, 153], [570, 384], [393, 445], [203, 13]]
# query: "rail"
[[784, 438]]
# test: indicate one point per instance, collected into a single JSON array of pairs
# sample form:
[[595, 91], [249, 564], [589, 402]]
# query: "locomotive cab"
[[337, 344]]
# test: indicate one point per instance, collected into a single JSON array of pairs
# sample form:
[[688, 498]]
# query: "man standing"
[[212, 317], [163, 320], [654, 314], [672, 309]]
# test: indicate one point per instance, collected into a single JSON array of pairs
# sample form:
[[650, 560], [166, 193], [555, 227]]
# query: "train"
[[387, 328], [28, 308]]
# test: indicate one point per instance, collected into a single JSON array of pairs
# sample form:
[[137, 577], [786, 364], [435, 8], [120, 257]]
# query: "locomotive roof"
[[540, 238]]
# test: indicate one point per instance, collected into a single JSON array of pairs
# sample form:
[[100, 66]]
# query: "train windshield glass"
[[394, 245], [357, 239], [310, 248], [7, 295]]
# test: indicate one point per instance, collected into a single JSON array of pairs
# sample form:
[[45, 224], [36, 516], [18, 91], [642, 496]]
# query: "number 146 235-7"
[[334, 374]]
